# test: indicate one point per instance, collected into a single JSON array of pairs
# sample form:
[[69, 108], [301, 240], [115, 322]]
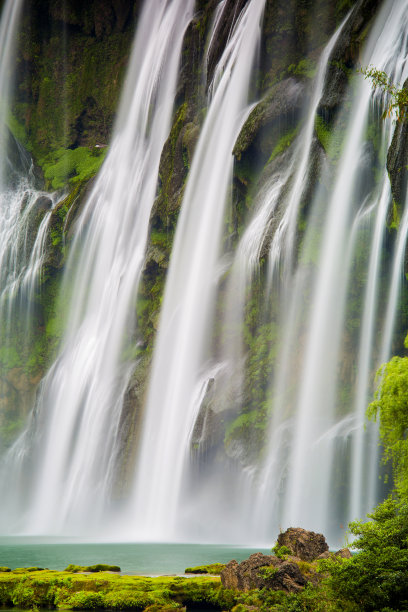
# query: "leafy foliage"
[[397, 96], [390, 407], [377, 577]]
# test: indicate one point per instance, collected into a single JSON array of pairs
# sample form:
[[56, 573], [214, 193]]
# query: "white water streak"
[[186, 319], [81, 397]]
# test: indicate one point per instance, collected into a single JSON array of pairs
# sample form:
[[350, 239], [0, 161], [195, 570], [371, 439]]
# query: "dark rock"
[[397, 160], [43, 203], [288, 577], [245, 576], [263, 571], [306, 545], [286, 99], [344, 57], [227, 20]]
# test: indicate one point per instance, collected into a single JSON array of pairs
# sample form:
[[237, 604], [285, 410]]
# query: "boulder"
[[246, 575], [306, 545], [287, 577], [343, 553], [263, 571]]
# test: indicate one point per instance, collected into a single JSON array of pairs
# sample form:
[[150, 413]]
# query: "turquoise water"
[[132, 558]]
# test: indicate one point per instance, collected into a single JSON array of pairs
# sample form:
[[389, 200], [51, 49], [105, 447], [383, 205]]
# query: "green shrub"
[[281, 551]]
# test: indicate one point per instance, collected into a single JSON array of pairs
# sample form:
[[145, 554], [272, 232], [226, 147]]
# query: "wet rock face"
[[263, 571], [306, 545], [345, 56], [396, 159], [282, 104]]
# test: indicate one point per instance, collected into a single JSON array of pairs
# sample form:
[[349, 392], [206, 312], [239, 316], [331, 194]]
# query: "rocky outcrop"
[[263, 571], [284, 572], [225, 25], [344, 57], [306, 545], [283, 101], [397, 159]]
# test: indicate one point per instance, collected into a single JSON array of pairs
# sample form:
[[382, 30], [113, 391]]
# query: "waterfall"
[[72, 439], [188, 308], [317, 445], [268, 338]]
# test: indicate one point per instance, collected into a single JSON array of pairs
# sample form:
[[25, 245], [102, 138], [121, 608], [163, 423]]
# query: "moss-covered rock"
[[344, 57], [212, 568], [99, 567], [71, 61]]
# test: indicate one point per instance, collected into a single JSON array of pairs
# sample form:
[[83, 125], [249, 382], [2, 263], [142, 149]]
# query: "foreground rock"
[[261, 571], [306, 545], [296, 564]]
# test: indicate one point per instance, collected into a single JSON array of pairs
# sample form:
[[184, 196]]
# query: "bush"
[[377, 577]]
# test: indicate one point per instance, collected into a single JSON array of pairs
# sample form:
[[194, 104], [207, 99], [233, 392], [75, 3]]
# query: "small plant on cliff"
[[397, 96], [282, 552]]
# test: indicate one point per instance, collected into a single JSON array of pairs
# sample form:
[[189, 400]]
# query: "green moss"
[[18, 130], [306, 68], [322, 132], [8, 433], [23, 570], [249, 428], [213, 568], [266, 572], [84, 600], [111, 592], [10, 357], [281, 551], [331, 138], [71, 166], [395, 217], [100, 567], [283, 143]]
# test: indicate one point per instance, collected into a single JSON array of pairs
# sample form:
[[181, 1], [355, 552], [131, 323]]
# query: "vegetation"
[[397, 96], [100, 567], [71, 166], [213, 568], [377, 578], [67, 590]]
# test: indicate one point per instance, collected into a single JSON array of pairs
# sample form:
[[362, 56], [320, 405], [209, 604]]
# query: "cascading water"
[[319, 223], [317, 440], [24, 216], [185, 323], [78, 412], [312, 443]]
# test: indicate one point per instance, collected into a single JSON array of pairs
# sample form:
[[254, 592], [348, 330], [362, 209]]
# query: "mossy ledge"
[[33, 588]]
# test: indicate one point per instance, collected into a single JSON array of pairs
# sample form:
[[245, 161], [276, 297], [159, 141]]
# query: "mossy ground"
[[29, 589], [33, 588]]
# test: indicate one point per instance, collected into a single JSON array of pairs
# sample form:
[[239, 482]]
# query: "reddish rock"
[[306, 545], [343, 553], [260, 571]]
